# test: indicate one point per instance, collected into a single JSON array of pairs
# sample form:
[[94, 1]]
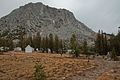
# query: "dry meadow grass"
[[20, 66]]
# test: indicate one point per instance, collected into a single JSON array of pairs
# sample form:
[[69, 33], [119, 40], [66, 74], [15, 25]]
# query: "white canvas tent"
[[69, 51], [29, 49], [17, 49], [49, 51]]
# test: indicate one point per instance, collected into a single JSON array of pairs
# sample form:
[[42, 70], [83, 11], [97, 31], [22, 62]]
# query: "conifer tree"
[[56, 44], [85, 49], [21, 42], [61, 46], [0, 41], [38, 40], [98, 42], [30, 42], [10, 44], [102, 43], [113, 54], [73, 42], [46, 44], [51, 43], [43, 44], [35, 42], [105, 45], [112, 42], [39, 72], [117, 45], [74, 46]]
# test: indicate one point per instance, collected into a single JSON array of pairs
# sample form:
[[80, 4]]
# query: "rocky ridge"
[[34, 18]]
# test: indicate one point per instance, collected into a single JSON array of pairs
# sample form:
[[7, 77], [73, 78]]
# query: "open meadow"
[[21, 66]]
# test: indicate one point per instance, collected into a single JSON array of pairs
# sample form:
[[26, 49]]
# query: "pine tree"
[[43, 44], [112, 40], [0, 45], [73, 42], [35, 42], [30, 42], [98, 42], [39, 72], [113, 54], [38, 41], [21, 42], [61, 46], [118, 44], [105, 45], [10, 44], [115, 43], [46, 44], [74, 46], [102, 43], [0, 42], [51, 43], [85, 49], [56, 44]]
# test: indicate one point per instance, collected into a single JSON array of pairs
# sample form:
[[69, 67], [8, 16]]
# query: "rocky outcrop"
[[37, 17]]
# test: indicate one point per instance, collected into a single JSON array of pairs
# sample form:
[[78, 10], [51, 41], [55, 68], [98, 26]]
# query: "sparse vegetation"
[[39, 72], [114, 55], [107, 43], [74, 46], [22, 66], [85, 49], [101, 43]]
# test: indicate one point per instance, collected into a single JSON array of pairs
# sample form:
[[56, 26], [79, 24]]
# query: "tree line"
[[6, 44], [107, 43], [54, 43], [101, 43], [104, 43]]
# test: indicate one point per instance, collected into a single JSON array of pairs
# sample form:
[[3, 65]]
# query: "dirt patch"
[[113, 74]]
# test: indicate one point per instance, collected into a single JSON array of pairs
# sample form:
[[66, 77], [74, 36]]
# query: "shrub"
[[39, 72], [114, 55], [76, 52]]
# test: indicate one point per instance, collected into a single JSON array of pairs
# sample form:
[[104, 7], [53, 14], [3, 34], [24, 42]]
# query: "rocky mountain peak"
[[37, 17]]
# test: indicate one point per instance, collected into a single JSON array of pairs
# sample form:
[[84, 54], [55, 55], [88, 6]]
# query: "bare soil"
[[106, 70]]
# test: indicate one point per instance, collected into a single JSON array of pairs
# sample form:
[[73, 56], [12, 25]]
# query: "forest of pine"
[[103, 44]]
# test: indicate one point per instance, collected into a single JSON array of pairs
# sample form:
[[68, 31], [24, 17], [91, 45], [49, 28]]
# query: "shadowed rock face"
[[37, 17]]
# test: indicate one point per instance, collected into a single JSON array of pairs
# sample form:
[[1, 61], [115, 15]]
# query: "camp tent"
[[29, 49], [17, 49]]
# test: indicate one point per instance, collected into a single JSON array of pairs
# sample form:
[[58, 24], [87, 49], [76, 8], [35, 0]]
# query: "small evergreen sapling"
[[113, 54], [39, 72]]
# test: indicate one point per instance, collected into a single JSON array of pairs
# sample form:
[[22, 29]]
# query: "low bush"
[[39, 72]]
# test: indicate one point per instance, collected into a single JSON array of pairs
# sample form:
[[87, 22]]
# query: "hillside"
[[34, 18]]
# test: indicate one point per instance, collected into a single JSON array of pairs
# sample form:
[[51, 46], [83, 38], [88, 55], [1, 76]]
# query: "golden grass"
[[20, 66]]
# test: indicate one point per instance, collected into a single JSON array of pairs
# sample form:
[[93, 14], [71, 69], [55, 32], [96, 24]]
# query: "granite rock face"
[[37, 17]]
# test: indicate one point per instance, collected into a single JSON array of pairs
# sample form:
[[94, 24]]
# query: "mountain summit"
[[37, 17]]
